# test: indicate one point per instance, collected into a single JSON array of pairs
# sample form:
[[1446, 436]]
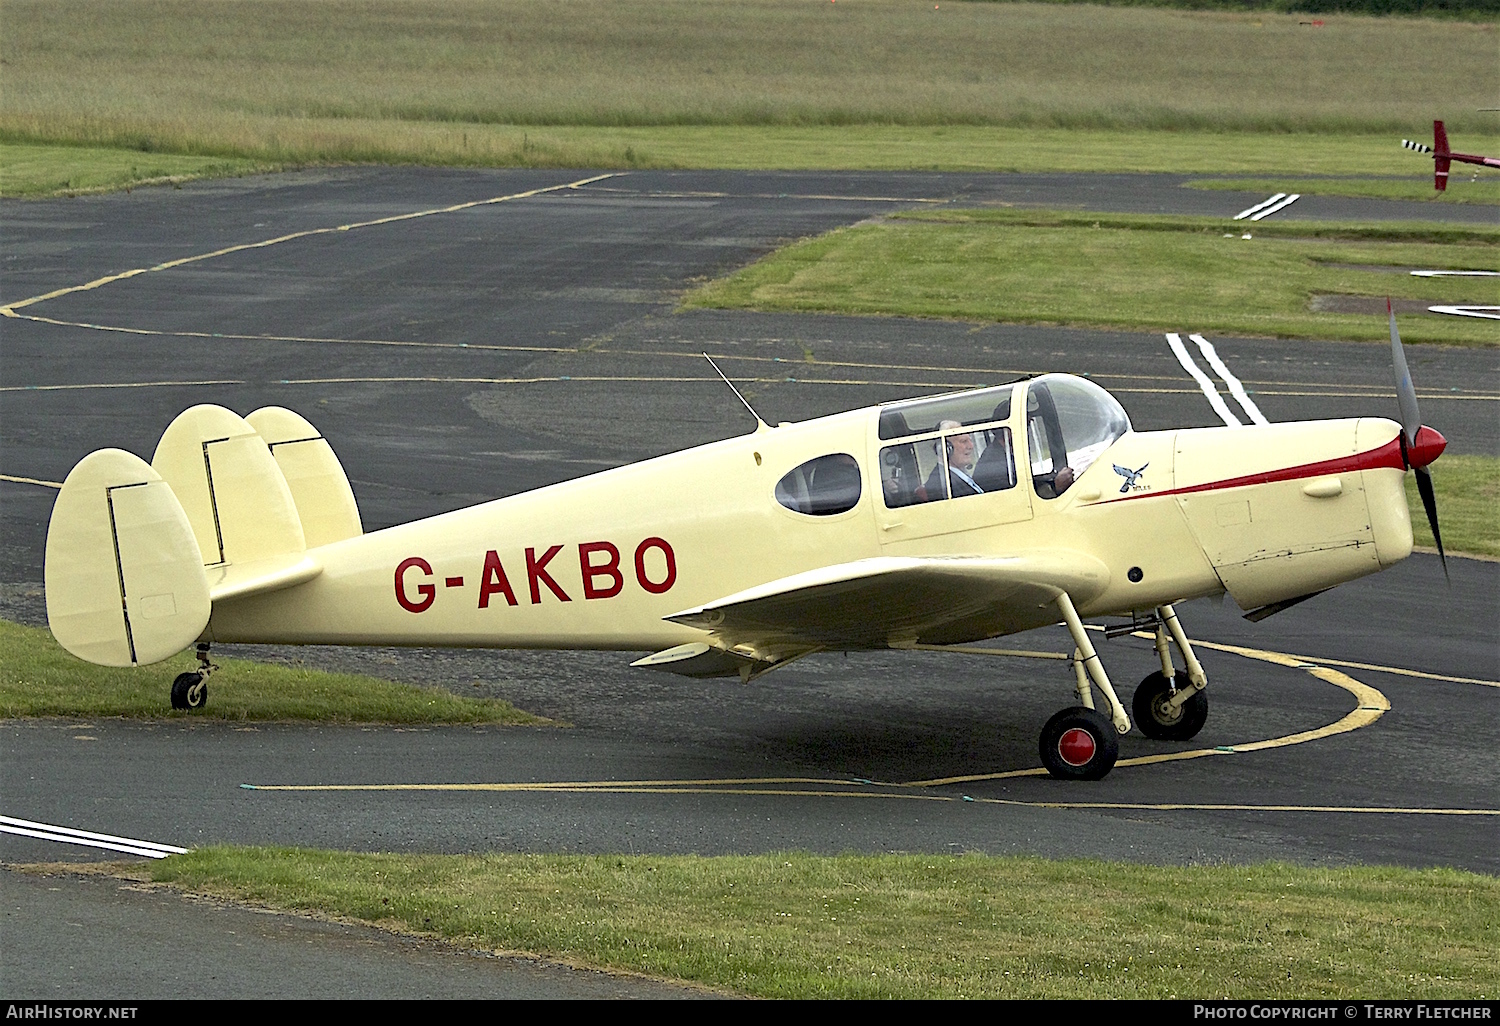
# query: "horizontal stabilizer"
[[125, 582], [235, 580], [899, 601]]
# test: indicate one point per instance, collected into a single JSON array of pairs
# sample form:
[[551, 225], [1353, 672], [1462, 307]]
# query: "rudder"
[[320, 488], [124, 580]]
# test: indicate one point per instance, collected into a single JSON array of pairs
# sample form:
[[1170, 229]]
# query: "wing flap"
[[897, 601]]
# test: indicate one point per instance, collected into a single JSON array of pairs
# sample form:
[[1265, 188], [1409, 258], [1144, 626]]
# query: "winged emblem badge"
[[1130, 476]]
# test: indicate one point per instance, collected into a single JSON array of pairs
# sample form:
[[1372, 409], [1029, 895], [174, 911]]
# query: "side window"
[[954, 465], [821, 487], [907, 469]]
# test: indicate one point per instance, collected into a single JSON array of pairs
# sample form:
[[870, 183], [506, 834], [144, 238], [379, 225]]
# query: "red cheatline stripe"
[[1388, 455]]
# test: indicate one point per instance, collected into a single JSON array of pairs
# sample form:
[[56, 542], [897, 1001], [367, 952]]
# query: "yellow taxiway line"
[[1371, 705], [9, 309], [1299, 389]]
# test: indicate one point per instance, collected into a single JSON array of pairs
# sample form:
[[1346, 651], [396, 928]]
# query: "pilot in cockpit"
[[963, 454]]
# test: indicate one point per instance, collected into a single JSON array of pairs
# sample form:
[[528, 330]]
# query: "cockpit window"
[[924, 415], [1069, 422], [955, 464], [821, 487]]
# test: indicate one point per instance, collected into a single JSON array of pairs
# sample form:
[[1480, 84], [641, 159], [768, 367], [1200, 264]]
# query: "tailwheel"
[[1079, 744], [1157, 718], [189, 691]]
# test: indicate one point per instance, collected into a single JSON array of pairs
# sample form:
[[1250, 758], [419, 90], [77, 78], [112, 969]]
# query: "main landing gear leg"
[[1171, 705], [1080, 743], [190, 690]]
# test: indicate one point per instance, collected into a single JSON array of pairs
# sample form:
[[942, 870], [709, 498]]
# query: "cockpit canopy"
[[950, 447], [1069, 422], [961, 445]]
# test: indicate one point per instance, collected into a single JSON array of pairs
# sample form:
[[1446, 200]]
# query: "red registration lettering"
[[536, 575], [493, 579], [427, 591], [610, 568], [665, 584]]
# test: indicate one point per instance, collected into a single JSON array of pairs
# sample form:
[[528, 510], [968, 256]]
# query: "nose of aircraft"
[[1426, 447]]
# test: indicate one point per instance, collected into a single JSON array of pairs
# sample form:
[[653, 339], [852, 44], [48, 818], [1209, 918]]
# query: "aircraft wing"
[[899, 601]]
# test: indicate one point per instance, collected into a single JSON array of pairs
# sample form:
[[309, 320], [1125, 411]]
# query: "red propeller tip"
[[1426, 447]]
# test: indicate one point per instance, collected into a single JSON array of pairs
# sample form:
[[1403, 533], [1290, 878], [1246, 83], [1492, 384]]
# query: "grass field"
[[37, 678], [741, 83], [913, 926], [1150, 273], [1468, 500]]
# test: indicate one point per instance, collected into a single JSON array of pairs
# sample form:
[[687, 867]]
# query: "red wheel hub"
[[1076, 746]]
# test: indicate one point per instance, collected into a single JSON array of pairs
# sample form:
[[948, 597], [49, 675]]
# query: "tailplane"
[[229, 505]]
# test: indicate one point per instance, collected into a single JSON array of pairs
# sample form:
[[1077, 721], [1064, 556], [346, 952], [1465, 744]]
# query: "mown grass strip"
[[798, 925], [38, 678], [242, 145], [35, 171], [1137, 272]]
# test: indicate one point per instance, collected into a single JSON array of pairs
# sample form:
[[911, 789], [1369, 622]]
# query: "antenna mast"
[[760, 425]]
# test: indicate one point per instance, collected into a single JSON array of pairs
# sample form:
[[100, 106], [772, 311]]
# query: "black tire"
[[189, 691], [1158, 720], [1079, 744]]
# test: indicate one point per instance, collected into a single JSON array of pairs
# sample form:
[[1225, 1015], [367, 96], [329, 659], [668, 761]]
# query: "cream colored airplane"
[[936, 521]]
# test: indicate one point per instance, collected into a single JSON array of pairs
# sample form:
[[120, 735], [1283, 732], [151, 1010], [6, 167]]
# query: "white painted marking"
[[1236, 389], [30, 480], [1455, 274], [67, 835], [1259, 206], [1204, 383], [1286, 202], [1489, 313]]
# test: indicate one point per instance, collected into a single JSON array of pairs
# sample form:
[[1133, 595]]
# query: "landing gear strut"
[[1170, 705], [190, 690], [1082, 742]]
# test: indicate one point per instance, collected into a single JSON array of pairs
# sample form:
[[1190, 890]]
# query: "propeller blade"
[[1406, 393], [1417, 457], [1429, 503]]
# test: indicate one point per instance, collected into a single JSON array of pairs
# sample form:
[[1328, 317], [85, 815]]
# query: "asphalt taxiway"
[[508, 338]]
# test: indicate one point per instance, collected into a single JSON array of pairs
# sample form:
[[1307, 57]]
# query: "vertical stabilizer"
[[1440, 159], [125, 584], [235, 495], [319, 486]]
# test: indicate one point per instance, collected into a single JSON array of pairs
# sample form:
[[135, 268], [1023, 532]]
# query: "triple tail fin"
[[137, 553]]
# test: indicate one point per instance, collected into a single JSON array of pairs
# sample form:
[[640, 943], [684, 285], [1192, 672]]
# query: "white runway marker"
[[1285, 202], [1489, 313], [1236, 389], [67, 835], [1455, 274], [1209, 391], [1259, 206]]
